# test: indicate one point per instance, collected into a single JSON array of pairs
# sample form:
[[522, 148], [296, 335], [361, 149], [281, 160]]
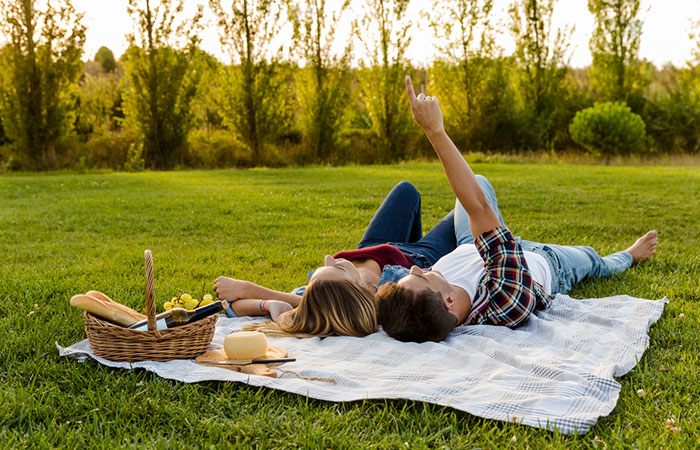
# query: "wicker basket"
[[118, 343]]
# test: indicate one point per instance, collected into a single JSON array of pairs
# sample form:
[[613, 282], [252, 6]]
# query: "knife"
[[245, 362]]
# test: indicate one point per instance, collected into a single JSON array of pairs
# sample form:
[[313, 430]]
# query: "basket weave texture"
[[117, 343]]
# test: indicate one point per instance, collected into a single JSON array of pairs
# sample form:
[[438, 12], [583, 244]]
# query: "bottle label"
[[160, 325]]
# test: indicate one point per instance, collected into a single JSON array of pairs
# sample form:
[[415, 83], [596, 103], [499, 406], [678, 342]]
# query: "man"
[[496, 279]]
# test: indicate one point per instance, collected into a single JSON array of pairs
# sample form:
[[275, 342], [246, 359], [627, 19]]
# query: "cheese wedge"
[[245, 345]]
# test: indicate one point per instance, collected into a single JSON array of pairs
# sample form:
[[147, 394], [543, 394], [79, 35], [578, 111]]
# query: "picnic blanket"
[[554, 372]]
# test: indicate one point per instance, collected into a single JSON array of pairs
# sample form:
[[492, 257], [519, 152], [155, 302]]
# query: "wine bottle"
[[180, 316]]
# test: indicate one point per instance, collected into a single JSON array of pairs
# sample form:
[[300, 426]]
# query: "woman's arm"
[[426, 112], [257, 307], [234, 290]]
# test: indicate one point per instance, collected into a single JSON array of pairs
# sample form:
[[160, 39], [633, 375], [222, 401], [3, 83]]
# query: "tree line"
[[165, 103]]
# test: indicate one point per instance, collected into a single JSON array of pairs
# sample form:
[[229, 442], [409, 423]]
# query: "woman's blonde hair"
[[327, 308]]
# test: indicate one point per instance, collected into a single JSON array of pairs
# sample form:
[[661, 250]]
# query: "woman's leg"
[[451, 231], [397, 219], [438, 242], [462, 230]]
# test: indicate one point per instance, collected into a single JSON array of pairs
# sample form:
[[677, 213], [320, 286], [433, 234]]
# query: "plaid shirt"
[[507, 294]]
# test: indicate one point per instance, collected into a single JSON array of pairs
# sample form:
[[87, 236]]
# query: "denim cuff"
[[230, 313]]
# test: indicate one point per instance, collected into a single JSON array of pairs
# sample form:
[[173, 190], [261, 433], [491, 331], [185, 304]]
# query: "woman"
[[339, 299]]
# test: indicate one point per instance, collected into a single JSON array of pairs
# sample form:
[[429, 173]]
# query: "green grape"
[[189, 305]]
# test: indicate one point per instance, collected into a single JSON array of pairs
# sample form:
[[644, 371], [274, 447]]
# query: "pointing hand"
[[426, 110]]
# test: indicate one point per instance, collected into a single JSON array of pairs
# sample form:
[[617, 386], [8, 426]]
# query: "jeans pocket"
[[558, 276], [566, 280]]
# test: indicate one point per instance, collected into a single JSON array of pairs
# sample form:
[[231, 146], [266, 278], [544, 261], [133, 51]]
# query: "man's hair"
[[411, 316]]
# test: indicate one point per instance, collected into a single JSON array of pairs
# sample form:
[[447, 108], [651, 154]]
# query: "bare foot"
[[644, 247]]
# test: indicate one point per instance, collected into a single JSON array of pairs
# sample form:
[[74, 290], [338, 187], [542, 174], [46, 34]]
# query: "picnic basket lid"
[[117, 343]]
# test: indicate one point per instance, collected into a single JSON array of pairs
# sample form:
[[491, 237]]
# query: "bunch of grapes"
[[187, 302]]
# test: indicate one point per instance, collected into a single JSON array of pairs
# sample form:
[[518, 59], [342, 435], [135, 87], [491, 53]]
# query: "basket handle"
[[150, 292]]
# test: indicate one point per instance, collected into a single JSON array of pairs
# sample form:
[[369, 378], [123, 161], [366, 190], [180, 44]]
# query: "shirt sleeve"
[[508, 285]]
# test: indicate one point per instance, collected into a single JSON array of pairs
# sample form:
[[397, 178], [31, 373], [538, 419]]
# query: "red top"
[[382, 254]]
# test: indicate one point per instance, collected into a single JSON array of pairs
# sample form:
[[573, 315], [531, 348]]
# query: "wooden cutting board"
[[252, 369]]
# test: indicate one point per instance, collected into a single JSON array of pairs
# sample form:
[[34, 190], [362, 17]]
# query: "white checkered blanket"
[[555, 372]]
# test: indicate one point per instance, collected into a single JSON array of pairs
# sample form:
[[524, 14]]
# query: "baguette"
[[99, 295], [107, 309]]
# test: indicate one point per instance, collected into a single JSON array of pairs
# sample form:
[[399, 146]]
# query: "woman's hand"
[[231, 289], [276, 307], [426, 110]]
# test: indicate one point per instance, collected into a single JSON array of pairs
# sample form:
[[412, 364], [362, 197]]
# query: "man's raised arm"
[[426, 112]]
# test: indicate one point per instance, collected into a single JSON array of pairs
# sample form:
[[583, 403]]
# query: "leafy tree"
[[323, 84], [694, 63], [673, 118], [469, 77], [466, 33], [206, 112], [3, 136], [105, 57], [252, 93], [672, 114], [100, 99], [541, 54], [161, 84], [39, 68], [616, 72], [383, 30]]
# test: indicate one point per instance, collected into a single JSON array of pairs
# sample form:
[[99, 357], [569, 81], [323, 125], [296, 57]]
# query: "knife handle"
[[272, 361]]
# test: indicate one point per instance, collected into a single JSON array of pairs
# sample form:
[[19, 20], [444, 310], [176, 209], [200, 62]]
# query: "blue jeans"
[[398, 222], [569, 264]]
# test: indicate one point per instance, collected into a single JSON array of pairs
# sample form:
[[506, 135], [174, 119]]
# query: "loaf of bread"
[[104, 307], [245, 345], [99, 295]]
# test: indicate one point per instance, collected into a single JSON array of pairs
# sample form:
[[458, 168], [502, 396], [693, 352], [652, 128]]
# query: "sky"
[[664, 39]]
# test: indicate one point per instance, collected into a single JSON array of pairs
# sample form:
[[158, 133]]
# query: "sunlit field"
[[65, 233]]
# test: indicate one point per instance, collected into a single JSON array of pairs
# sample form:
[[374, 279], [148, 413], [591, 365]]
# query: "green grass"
[[62, 234]]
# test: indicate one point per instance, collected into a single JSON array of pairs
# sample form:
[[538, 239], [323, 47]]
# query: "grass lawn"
[[62, 234]]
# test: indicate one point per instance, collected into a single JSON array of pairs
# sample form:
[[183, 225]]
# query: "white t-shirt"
[[464, 267]]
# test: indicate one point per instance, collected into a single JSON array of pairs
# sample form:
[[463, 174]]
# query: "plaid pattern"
[[554, 372], [507, 294]]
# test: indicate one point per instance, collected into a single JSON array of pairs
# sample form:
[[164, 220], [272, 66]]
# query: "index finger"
[[409, 88]]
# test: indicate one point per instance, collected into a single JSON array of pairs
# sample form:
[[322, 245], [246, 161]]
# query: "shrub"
[[134, 158], [608, 129], [217, 148], [109, 150]]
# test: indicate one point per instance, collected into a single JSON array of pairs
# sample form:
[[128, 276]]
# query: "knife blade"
[[245, 362]]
